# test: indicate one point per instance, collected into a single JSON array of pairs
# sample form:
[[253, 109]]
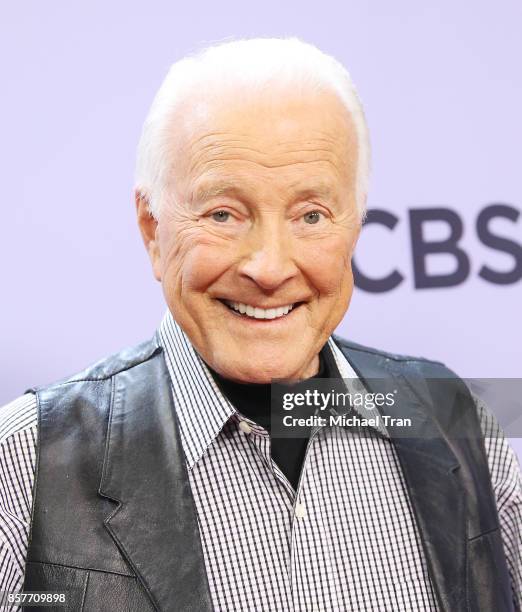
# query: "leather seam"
[[84, 569], [143, 582], [106, 458], [84, 594], [480, 535]]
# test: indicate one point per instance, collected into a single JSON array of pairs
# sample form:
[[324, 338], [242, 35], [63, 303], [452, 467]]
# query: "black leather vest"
[[114, 522]]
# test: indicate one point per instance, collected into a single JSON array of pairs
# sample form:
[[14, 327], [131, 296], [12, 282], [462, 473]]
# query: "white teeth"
[[260, 313], [271, 313]]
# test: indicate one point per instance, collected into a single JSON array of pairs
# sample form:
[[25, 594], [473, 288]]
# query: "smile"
[[255, 312]]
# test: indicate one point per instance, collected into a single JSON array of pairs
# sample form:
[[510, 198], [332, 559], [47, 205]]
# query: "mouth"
[[261, 314]]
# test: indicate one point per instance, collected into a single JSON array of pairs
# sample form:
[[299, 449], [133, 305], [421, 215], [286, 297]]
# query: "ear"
[[148, 227]]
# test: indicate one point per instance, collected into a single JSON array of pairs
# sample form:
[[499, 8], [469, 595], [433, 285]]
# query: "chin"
[[260, 361], [253, 374], [260, 371]]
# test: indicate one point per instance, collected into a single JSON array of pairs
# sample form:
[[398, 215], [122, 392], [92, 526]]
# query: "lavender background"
[[442, 88]]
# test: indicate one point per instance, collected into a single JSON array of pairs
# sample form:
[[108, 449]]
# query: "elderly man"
[[154, 479]]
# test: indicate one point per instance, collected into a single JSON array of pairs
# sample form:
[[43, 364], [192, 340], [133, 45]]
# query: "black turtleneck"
[[254, 401]]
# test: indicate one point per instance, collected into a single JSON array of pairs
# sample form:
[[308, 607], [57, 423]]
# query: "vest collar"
[[144, 470]]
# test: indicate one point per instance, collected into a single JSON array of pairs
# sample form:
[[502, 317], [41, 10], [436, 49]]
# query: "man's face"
[[254, 246]]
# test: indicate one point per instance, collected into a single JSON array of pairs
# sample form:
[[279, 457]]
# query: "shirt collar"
[[201, 408], [354, 385]]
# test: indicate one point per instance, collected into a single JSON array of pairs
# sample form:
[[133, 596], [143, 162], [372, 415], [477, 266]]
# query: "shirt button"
[[245, 427], [300, 511]]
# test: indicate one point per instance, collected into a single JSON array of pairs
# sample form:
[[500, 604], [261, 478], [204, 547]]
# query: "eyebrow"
[[320, 190], [205, 192], [227, 188]]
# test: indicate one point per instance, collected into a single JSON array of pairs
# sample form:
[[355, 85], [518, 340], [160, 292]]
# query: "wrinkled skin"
[[261, 210]]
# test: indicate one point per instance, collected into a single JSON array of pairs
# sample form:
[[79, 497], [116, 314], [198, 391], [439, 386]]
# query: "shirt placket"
[[260, 439], [303, 567], [314, 582]]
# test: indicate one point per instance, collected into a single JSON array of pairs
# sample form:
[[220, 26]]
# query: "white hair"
[[251, 64]]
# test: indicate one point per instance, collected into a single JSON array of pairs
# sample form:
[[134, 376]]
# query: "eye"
[[220, 216], [312, 217]]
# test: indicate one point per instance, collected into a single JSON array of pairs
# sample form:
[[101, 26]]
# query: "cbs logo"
[[421, 248]]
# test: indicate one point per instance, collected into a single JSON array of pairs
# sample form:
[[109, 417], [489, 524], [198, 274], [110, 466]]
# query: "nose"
[[268, 261]]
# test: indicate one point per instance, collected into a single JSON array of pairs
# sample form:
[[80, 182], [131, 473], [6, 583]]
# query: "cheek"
[[328, 265], [193, 261]]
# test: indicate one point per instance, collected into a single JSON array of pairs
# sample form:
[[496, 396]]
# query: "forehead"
[[294, 136]]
